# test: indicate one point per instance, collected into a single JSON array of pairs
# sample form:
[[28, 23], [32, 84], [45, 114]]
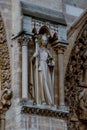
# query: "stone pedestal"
[[26, 116]]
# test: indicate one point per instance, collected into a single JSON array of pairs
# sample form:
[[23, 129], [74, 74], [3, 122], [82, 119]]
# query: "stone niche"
[[30, 115], [35, 18]]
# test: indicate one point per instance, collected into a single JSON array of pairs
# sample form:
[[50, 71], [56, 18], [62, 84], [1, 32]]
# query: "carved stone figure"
[[43, 74], [83, 105], [74, 126]]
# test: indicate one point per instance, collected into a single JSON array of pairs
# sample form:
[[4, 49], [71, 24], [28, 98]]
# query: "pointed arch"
[[74, 83], [45, 29], [73, 33]]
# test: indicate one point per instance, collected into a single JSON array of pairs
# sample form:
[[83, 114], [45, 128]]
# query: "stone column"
[[2, 121], [60, 49], [61, 76], [24, 43]]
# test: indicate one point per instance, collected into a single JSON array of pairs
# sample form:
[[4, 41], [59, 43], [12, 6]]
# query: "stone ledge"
[[44, 110], [43, 13]]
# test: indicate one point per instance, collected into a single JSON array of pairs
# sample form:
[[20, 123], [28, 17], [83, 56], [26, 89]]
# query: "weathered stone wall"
[[73, 9], [56, 5], [33, 122]]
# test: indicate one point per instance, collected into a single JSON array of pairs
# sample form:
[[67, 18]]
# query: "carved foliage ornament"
[[74, 73], [5, 77]]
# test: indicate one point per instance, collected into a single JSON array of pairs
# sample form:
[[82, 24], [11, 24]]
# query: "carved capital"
[[59, 47], [24, 40]]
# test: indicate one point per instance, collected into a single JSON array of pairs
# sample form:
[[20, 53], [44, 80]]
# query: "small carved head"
[[43, 40]]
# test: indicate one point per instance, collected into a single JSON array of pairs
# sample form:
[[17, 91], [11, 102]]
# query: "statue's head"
[[43, 40]]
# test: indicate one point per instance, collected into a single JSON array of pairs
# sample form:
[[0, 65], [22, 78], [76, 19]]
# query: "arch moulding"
[[5, 75], [72, 34], [76, 75]]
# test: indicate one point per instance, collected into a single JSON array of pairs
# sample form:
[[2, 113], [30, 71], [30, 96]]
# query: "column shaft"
[[2, 122], [61, 77], [24, 71]]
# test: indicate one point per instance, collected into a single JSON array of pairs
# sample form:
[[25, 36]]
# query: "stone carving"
[[43, 66], [46, 112], [74, 126], [38, 24], [82, 108], [75, 69], [5, 101], [5, 77]]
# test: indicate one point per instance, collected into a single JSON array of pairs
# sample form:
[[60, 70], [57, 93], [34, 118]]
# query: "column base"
[[63, 108]]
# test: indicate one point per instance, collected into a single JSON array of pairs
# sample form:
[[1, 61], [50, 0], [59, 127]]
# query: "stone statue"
[[43, 72], [83, 99], [82, 109]]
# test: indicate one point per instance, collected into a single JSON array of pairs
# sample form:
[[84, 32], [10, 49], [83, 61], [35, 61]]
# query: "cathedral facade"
[[43, 53]]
